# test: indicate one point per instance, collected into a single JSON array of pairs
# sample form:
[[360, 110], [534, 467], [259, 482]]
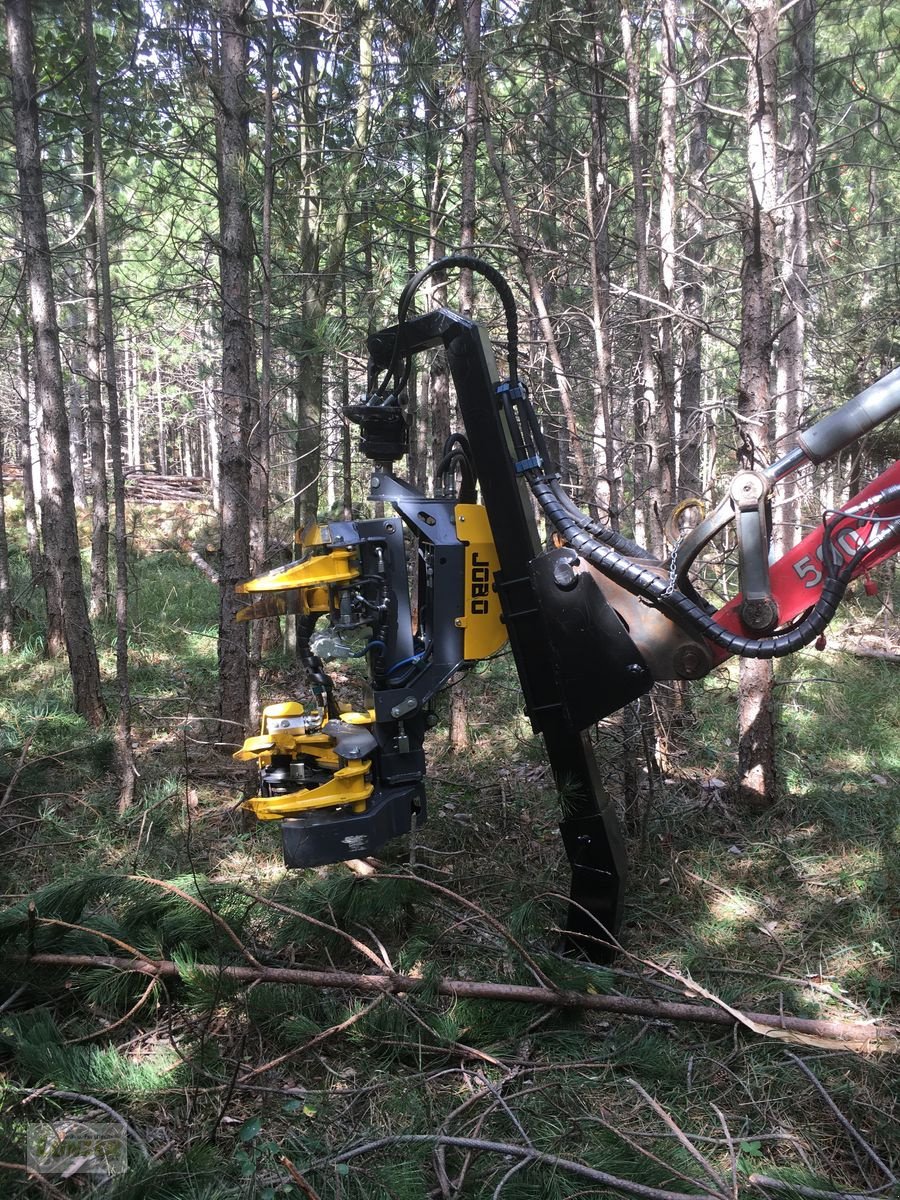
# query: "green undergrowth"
[[236, 1088]]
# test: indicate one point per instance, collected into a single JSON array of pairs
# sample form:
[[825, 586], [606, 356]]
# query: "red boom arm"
[[796, 578]]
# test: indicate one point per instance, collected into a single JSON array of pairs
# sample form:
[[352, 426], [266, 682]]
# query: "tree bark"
[[648, 529], [535, 290], [60, 532], [665, 440], [470, 15], [29, 504], [124, 748], [99, 488], [756, 695], [237, 349], [321, 259], [598, 200], [799, 163], [6, 615], [690, 474]]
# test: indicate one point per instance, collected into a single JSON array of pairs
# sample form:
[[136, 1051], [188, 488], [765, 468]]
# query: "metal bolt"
[[634, 669], [564, 574], [690, 662]]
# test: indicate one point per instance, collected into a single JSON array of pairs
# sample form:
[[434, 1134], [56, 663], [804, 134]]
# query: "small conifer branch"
[[439, 1157], [357, 945], [642, 1150], [315, 1041], [541, 976], [303, 1184], [511, 1149], [102, 1106], [732, 1154], [217, 920], [682, 1137], [460, 1047], [19, 767], [107, 1029], [106, 937], [799, 1189]]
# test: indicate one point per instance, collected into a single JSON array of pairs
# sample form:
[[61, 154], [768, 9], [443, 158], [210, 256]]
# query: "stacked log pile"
[[172, 488], [143, 485]]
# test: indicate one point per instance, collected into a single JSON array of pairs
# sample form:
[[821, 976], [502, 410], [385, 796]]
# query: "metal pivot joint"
[[749, 494]]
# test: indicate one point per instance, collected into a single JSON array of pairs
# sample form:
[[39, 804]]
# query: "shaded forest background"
[[205, 208], [695, 206]]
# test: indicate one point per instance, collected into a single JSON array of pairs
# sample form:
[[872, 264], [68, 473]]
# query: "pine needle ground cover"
[[227, 1087]]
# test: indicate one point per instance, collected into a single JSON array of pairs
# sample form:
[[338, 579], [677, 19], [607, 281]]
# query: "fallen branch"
[[845, 1035], [35, 1176], [102, 1106], [529, 1155], [845, 1124], [798, 1189]]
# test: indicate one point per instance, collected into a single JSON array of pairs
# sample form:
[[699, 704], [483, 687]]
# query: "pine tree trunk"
[[60, 532], [32, 537], [598, 198], [799, 162], [124, 748], [99, 489], [235, 404], [647, 484], [665, 439], [161, 455], [322, 260], [6, 615], [756, 723], [690, 474], [76, 441]]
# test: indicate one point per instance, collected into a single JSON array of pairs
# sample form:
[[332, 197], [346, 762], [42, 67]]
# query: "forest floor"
[[219, 1087]]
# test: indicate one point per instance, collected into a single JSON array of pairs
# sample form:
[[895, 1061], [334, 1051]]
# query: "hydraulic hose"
[[642, 582]]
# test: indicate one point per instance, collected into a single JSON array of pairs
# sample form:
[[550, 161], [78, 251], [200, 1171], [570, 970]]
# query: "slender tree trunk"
[[124, 748], [76, 442], [799, 162], [6, 614], [647, 480], [237, 349], [60, 532], [322, 262], [99, 489], [161, 455], [690, 481], [666, 438], [598, 199], [756, 724], [29, 504], [263, 633], [536, 292], [470, 15]]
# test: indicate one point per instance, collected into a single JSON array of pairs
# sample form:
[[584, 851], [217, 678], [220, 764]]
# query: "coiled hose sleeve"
[[642, 582]]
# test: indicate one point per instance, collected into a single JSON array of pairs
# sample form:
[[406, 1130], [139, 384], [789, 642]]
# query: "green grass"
[[794, 909]]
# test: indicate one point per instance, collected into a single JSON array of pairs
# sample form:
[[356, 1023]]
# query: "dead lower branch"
[[529, 1155], [845, 1035]]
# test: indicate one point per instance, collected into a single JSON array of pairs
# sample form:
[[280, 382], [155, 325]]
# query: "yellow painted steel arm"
[[311, 571], [349, 785]]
